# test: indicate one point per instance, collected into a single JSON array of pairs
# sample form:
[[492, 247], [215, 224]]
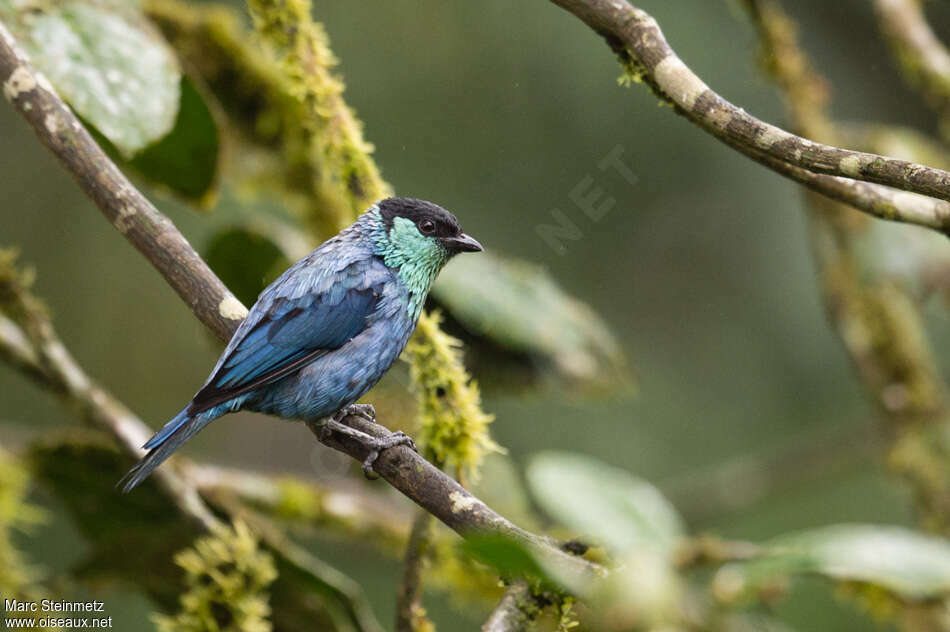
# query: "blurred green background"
[[497, 110]]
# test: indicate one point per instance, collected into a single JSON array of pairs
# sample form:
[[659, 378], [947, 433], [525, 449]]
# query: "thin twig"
[[921, 54], [409, 599], [637, 38]]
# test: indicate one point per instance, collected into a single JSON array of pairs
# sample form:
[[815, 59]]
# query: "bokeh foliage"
[[236, 125]]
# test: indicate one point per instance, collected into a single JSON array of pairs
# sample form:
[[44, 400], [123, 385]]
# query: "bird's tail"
[[176, 432]]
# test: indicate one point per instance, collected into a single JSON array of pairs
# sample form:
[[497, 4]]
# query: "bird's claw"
[[378, 444]]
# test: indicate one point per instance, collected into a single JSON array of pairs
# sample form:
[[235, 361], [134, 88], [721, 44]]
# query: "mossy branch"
[[922, 57], [343, 178], [516, 611], [453, 428], [880, 326]]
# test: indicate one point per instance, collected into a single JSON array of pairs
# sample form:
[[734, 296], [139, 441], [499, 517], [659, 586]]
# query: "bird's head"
[[420, 233], [417, 238]]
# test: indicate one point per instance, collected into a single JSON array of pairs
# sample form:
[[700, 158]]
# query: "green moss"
[[16, 575], [280, 96], [453, 426], [16, 301], [226, 579], [884, 210], [879, 603], [633, 70], [566, 617], [298, 501], [344, 178], [463, 579]]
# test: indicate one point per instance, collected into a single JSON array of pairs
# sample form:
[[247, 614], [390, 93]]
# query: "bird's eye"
[[427, 226]]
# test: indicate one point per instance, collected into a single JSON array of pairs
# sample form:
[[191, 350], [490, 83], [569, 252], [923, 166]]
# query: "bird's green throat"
[[415, 257]]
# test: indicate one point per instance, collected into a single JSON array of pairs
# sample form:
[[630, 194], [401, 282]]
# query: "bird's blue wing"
[[294, 322]]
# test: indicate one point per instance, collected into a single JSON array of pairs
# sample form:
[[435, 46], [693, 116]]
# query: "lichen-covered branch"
[[922, 56], [880, 327], [636, 37], [123, 205], [433, 490], [875, 200]]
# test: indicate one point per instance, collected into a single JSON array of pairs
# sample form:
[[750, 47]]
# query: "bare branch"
[[637, 38]]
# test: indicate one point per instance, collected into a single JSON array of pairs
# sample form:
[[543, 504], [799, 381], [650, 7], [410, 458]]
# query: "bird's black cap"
[[430, 219]]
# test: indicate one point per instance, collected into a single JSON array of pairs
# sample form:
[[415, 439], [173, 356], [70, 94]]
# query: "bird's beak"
[[462, 243]]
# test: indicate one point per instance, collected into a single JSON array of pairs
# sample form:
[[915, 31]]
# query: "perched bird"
[[327, 330]]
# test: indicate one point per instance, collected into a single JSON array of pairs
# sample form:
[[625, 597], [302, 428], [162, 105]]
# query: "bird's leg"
[[375, 445]]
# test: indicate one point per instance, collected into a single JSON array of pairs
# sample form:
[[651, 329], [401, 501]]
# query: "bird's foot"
[[375, 445], [363, 411], [384, 443]]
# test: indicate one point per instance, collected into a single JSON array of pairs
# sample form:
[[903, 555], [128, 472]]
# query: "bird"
[[321, 335]]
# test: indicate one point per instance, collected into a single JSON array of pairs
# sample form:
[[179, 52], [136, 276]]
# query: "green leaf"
[[906, 563], [519, 307], [247, 260], [186, 159], [625, 512], [512, 558], [509, 558], [112, 67]]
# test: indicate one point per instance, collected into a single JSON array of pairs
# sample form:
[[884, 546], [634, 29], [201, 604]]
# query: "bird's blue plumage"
[[327, 330]]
